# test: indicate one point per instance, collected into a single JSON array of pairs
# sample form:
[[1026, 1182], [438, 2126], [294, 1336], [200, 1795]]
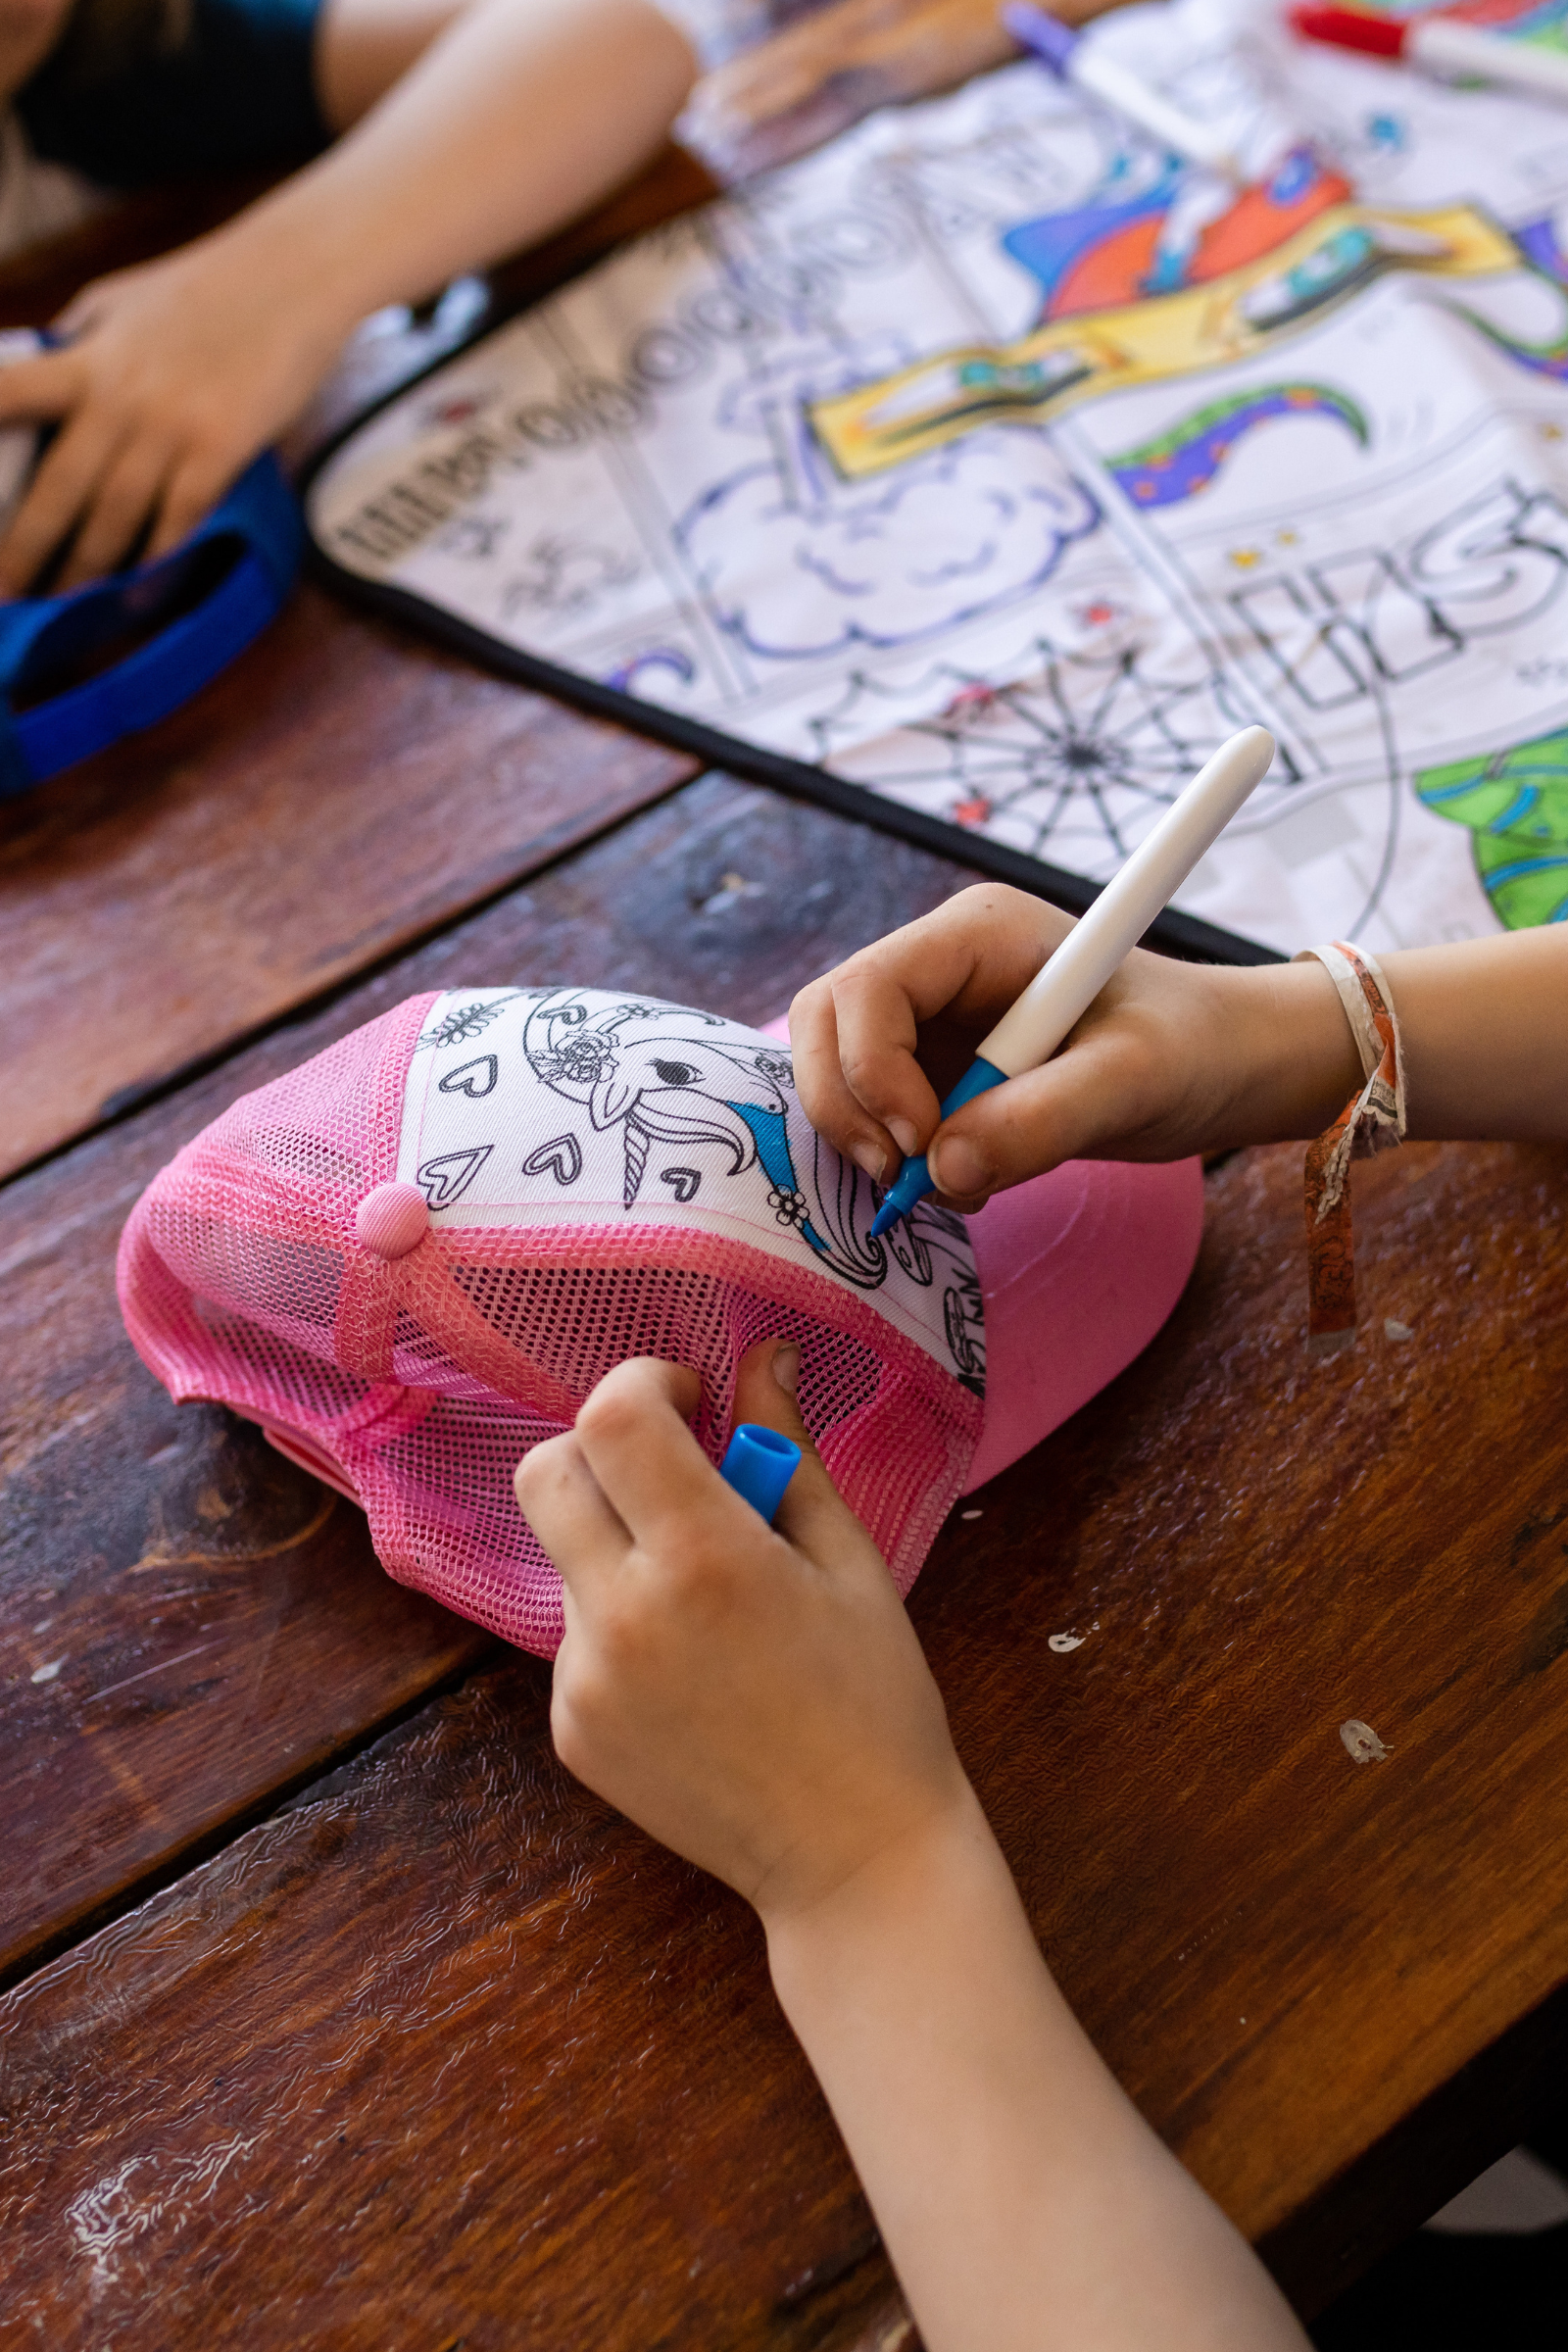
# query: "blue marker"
[[1063, 989], [759, 1464]]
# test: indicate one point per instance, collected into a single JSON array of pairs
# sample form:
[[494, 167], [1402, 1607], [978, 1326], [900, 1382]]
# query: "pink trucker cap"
[[413, 1257]]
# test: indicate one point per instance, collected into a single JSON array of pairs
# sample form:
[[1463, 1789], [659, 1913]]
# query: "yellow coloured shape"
[[1073, 359]]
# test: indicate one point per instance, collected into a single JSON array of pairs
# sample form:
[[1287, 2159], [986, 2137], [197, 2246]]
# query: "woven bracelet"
[[1373, 1120]]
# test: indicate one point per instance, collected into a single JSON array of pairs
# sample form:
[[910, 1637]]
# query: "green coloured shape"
[[1515, 803]]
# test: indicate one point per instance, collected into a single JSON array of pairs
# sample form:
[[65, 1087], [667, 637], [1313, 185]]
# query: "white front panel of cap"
[[572, 1106]]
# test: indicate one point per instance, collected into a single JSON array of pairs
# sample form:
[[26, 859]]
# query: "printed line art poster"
[[996, 462]]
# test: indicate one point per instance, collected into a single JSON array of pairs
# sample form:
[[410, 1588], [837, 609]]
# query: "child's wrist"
[[315, 303], [1296, 1062], [819, 1946]]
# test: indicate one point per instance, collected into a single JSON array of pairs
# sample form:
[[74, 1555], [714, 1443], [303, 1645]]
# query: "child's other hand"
[[176, 374], [754, 1697], [1169, 1059]]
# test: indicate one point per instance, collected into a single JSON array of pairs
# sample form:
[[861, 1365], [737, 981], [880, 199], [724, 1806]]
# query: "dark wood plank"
[[496, 2071], [340, 790], [1333, 1984], [224, 1631]]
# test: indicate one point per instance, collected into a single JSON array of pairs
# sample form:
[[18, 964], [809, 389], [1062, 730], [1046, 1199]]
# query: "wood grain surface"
[[340, 790], [497, 2071], [208, 1627]]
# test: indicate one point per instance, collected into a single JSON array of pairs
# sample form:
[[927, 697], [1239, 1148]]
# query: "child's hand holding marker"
[[758, 1701], [755, 1697], [1169, 1059]]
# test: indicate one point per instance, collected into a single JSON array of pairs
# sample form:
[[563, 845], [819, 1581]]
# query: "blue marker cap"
[[759, 1464]]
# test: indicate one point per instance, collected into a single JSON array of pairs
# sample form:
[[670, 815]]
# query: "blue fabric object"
[[234, 91], [759, 1464], [219, 588]]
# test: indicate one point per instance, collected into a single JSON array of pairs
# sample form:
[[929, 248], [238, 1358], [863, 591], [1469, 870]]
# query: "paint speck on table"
[[1361, 1743], [1061, 1642], [47, 1673], [1393, 1330], [971, 1514]]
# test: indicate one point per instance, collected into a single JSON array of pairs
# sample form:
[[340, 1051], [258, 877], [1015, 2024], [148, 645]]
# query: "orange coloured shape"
[[1118, 269]]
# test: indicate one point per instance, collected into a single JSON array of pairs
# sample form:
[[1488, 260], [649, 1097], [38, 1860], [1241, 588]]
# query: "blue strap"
[[253, 540]]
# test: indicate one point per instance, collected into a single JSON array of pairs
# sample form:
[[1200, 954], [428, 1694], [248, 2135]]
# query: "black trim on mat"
[[1182, 934]]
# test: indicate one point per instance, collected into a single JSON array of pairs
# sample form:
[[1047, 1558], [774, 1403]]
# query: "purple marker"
[[1086, 65]]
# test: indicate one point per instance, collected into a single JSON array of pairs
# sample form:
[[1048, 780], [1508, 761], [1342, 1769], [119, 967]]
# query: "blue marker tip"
[[913, 1179], [759, 1464]]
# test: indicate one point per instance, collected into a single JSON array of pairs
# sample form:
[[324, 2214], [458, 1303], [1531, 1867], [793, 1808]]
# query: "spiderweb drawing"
[[1073, 761]]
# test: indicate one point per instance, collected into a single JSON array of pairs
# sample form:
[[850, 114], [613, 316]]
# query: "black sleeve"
[[194, 88]]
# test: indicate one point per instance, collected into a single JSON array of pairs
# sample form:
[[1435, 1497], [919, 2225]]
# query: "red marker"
[[1440, 45]]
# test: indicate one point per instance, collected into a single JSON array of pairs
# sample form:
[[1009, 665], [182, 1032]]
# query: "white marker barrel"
[[1453, 50], [1063, 989], [1123, 89]]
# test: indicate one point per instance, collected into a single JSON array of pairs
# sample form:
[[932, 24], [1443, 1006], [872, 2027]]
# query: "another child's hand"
[[1169, 1059], [814, 79], [175, 376], [754, 1697]]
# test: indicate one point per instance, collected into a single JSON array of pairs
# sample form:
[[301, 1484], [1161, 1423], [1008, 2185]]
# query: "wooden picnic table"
[[337, 2014]]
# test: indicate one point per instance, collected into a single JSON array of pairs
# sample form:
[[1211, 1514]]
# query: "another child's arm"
[[470, 131], [824, 71], [1170, 1058], [758, 1701]]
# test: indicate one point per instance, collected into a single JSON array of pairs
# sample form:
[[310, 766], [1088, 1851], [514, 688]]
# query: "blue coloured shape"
[[1048, 247], [772, 1137]]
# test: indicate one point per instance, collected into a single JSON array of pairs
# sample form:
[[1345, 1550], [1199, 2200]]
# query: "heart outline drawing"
[[561, 1157], [446, 1178], [461, 1080]]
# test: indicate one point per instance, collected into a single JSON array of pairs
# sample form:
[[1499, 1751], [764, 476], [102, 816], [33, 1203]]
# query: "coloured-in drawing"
[[639, 1115], [1001, 464], [1185, 459], [1515, 804]]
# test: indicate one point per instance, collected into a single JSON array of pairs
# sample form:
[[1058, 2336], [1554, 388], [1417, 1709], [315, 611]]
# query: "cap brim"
[[1079, 1269]]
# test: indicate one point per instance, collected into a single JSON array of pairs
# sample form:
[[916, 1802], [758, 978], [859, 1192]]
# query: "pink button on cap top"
[[393, 1219]]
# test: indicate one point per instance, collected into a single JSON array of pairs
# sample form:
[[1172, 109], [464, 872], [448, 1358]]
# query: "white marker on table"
[[1087, 65], [1441, 46], [1067, 984]]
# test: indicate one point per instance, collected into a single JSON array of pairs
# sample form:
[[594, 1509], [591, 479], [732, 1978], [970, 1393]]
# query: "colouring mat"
[[994, 466]]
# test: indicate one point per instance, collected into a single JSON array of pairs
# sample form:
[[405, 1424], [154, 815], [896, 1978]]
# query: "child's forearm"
[[1025, 2204], [1485, 1032], [1485, 1027], [519, 116]]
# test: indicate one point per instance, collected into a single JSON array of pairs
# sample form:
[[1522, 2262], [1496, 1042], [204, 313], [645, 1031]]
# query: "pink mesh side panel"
[[895, 1431], [417, 1384], [896, 1451], [231, 1261]]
